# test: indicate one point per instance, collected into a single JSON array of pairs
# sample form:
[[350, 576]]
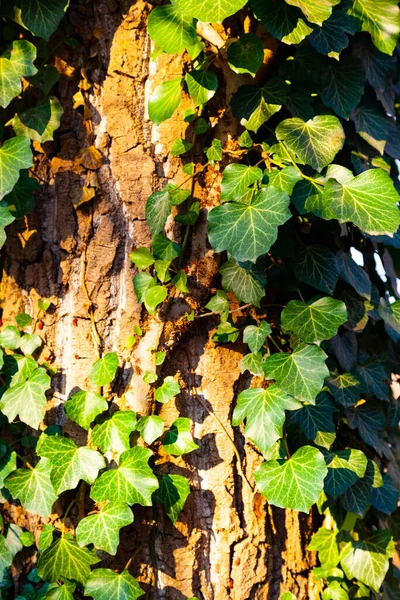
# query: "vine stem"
[[132, 557], [210, 314], [274, 343], [24, 461], [70, 505], [218, 420]]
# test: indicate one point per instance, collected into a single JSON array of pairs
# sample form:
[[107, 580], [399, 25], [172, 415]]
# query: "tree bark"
[[227, 543]]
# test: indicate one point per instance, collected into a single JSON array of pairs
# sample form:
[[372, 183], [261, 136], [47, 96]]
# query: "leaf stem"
[[274, 343], [132, 557]]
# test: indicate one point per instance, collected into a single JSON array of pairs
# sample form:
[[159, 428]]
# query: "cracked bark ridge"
[[228, 543]]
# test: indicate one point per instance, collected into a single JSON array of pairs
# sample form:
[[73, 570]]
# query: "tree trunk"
[[228, 543]]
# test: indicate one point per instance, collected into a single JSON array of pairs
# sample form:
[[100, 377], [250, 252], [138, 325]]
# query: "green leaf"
[[6, 218], [173, 492], [316, 12], [253, 106], [236, 179], [209, 10], [178, 439], [373, 378], [10, 337], [6, 556], [154, 296], [345, 388], [113, 435], [42, 17], [248, 231], [164, 100], [301, 373], [283, 22], [150, 428], [65, 559], [142, 258], [369, 200], [315, 320], [191, 216], [324, 541], [15, 64], [316, 266], [226, 332], [242, 282], [345, 467], [27, 539], [29, 343], [83, 407], [23, 320], [295, 483], [246, 55], [39, 123], [368, 560], [382, 21], [102, 529], [158, 209], [254, 336], [27, 399], [353, 274], [378, 67], [64, 591], [168, 390], [284, 179], [251, 362], [214, 152], [371, 124], [46, 537], [342, 85], [179, 147], [21, 200], [33, 488], [103, 370], [180, 282], [385, 498], [164, 248], [316, 422], [171, 30], [104, 584], [8, 463], [357, 498], [15, 154], [334, 591], [264, 411], [132, 481], [331, 38], [219, 304], [202, 85], [69, 464], [368, 419], [316, 142]]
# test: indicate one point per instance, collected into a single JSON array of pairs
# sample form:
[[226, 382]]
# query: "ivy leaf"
[[246, 55], [315, 320], [295, 483], [8, 462], [368, 419], [209, 11], [15, 64], [342, 85], [39, 123], [15, 154], [316, 266], [264, 411], [369, 201], [164, 100], [33, 488], [178, 439], [168, 390], [254, 336], [41, 17], [371, 124], [104, 584], [102, 529], [21, 200], [331, 38], [253, 106], [46, 537], [113, 434], [248, 231], [69, 464], [10, 337], [154, 296], [284, 179], [202, 85], [316, 422], [374, 378], [6, 556], [173, 493], [219, 304], [353, 274], [65, 559], [29, 343], [334, 591], [345, 388], [324, 541], [378, 67], [132, 481], [301, 373], [83, 407], [315, 12], [358, 497], [236, 179], [27, 399], [316, 142], [150, 428], [65, 591], [165, 249], [386, 497], [251, 362], [242, 282], [171, 30], [214, 152], [381, 20], [103, 371], [345, 467], [368, 560], [283, 22]]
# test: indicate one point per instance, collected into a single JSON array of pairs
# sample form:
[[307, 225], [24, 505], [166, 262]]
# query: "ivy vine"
[[308, 202]]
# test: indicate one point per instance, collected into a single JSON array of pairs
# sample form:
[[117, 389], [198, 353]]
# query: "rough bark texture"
[[228, 543]]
